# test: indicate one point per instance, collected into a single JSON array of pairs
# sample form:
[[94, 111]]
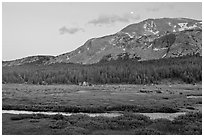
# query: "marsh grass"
[[189, 124], [99, 109]]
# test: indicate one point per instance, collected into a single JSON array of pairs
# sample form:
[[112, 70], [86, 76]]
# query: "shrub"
[[74, 130], [147, 131], [189, 117], [59, 124], [164, 125], [33, 120], [57, 117]]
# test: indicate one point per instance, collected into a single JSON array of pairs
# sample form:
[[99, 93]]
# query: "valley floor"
[[126, 99]]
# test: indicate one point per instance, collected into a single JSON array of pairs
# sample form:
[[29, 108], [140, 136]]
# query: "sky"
[[30, 29]]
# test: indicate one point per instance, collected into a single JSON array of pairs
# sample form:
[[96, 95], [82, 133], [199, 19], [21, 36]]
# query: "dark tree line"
[[187, 69]]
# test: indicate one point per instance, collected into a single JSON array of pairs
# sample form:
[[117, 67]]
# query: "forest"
[[187, 69]]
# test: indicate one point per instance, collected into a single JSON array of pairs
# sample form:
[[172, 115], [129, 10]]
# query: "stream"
[[169, 116]]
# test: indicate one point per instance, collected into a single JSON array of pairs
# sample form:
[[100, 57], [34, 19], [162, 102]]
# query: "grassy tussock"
[[189, 124]]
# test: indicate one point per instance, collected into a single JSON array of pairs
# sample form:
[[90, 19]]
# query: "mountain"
[[146, 40], [38, 60], [149, 39]]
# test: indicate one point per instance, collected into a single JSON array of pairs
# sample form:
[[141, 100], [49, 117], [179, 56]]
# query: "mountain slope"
[[149, 39], [38, 60], [146, 40]]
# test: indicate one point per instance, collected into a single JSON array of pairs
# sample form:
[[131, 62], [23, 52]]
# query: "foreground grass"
[[189, 124]]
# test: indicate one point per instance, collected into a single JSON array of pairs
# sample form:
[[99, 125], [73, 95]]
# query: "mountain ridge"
[[148, 39]]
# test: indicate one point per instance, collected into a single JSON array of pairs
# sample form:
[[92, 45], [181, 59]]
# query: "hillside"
[[149, 39], [146, 40], [38, 60]]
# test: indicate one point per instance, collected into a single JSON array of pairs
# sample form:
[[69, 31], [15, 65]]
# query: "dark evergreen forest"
[[122, 71]]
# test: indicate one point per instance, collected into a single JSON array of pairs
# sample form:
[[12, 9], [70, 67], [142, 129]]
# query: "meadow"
[[101, 98], [126, 99]]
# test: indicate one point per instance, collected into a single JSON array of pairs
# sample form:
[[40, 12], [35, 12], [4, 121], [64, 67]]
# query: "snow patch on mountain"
[[104, 48], [183, 26], [164, 55], [150, 27], [154, 32], [149, 46], [158, 49], [131, 36]]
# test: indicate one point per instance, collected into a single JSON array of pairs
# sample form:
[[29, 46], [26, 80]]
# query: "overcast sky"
[[56, 28]]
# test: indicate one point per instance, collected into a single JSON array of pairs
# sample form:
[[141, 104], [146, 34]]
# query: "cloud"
[[111, 19], [65, 30]]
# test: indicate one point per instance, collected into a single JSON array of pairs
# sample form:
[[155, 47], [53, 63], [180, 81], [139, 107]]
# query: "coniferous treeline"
[[187, 69]]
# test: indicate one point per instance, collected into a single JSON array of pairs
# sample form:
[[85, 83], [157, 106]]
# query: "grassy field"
[[190, 124], [101, 98]]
